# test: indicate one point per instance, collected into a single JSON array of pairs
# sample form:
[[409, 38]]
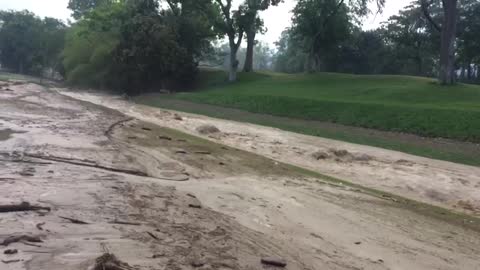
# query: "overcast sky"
[[276, 18]]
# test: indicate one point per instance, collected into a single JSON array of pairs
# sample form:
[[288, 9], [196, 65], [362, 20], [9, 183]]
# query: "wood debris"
[[20, 238], [74, 221], [274, 262], [24, 206]]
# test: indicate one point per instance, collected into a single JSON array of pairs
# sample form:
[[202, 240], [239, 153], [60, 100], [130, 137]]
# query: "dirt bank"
[[441, 183], [161, 199]]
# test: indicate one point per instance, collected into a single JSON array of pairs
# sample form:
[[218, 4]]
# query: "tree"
[[82, 7], [448, 28], [19, 36], [290, 58], [365, 52], [468, 38], [320, 25], [29, 44], [52, 42], [412, 41], [253, 24], [231, 25], [136, 46]]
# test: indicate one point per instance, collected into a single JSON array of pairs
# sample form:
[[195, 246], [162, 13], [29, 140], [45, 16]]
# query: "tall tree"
[[81, 7], [412, 41], [468, 38], [253, 24], [321, 25], [137, 45], [324, 24], [448, 29], [29, 44], [232, 26]]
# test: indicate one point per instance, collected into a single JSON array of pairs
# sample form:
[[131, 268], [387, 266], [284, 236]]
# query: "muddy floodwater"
[[166, 190]]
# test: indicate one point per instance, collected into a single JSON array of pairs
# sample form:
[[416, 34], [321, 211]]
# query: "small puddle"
[[6, 134]]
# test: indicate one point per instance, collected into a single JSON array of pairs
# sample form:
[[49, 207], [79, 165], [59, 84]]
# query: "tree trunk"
[[462, 72], [20, 68], [447, 50], [418, 59], [469, 71], [233, 65], [248, 67]]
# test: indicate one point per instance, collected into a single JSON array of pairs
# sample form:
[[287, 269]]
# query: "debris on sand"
[[110, 262], [274, 262], [389, 197], [29, 172], [40, 226], [363, 157], [177, 117], [165, 138], [197, 263], [191, 195], [316, 236], [158, 255], [153, 236], [405, 162], [207, 129], [146, 129], [467, 205], [74, 221], [195, 205], [339, 153], [24, 206], [203, 152], [120, 222], [319, 155], [20, 238], [10, 251], [10, 261]]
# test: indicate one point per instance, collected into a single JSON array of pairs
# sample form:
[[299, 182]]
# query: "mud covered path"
[[158, 198], [446, 184]]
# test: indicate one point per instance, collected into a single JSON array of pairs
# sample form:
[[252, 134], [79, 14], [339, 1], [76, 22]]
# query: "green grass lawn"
[[392, 103], [307, 103]]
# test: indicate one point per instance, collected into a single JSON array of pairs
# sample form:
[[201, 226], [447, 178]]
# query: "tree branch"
[[173, 7], [429, 18], [225, 9], [333, 13], [327, 19]]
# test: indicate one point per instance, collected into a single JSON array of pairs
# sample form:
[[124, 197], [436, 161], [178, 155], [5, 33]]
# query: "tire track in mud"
[[125, 146]]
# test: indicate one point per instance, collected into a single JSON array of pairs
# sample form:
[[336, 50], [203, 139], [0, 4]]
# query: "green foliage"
[[393, 103], [469, 39], [90, 45], [133, 46], [80, 8], [324, 37], [289, 57], [29, 44], [320, 26]]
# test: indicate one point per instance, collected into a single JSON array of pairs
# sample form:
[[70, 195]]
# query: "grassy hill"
[[402, 104], [394, 103]]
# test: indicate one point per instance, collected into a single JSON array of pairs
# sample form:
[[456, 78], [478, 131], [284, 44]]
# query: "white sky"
[[276, 18]]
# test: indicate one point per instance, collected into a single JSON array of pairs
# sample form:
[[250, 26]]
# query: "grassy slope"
[[395, 103]]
